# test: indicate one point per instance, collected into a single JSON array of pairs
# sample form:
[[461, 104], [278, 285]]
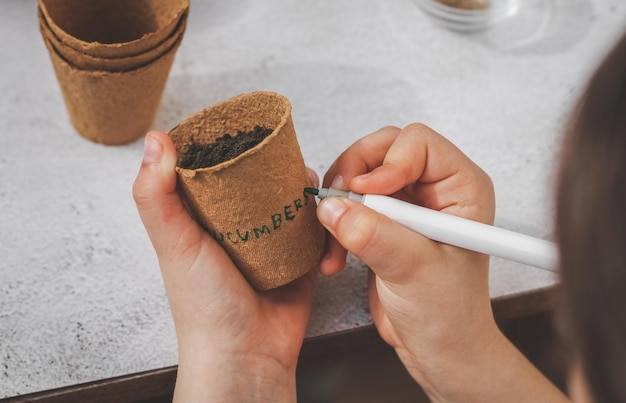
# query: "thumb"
[[174, 234], [392, 251]]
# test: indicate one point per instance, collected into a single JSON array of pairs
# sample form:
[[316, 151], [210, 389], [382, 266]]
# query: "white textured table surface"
[[81, 296]]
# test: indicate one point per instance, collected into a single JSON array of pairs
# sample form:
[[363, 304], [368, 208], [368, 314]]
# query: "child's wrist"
[[206, 374], [455, 372]]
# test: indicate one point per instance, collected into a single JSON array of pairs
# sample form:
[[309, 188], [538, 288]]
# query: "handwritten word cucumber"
[[273, 223]]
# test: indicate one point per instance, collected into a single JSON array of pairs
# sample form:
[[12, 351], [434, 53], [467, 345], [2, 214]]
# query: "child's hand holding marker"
[[234, 343], [424, 294]]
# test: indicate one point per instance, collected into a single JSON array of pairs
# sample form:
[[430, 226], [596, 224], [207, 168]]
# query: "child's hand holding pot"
[[234, 343]]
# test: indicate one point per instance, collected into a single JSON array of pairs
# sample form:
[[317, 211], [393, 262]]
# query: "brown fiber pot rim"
[[190, 173], [150, 39]]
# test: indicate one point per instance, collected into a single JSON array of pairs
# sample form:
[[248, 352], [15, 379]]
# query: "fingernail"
[[338, 183], [330, 210], [152, 150], [315, 181]]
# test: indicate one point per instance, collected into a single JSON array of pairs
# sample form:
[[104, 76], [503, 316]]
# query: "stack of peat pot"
[[112, 59]]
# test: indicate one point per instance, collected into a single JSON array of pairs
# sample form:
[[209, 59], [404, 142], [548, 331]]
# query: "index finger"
[[425, 168], [361, 157]]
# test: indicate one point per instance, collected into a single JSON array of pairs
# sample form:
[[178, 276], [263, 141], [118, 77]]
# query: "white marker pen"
[[459, 231]]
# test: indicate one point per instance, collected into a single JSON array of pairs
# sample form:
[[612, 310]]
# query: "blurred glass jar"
[[469, 15]]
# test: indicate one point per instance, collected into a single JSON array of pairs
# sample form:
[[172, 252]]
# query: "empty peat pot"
[[112, 107]]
